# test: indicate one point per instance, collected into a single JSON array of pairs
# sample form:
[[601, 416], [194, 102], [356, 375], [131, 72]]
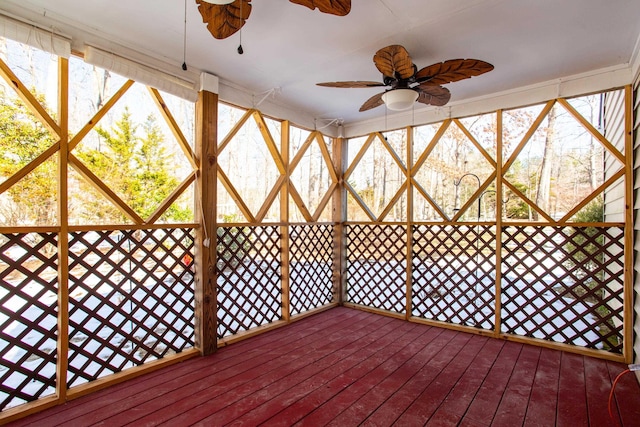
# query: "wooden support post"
[[206, 237], [498, 286], [339, 216], [409, 157], [284, 219], [63, 235]]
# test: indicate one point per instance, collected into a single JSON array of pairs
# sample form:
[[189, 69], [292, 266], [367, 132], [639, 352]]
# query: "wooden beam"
[[358, 157], [475, 142], [393, 201], [271, 197], [268, 139], [62, 358], [474, 197], [527, 136], [592, 130], [173, 126], [224, 180], [360, 202], [206, 152], [392, 153], [409, 261], [284, 218], [103, 189], [99, 115], [339, 216], [612, 179], [297, 199], [529, 202], [232, 133], [177, 192], [326, 155], [429, 199], [436, 138], [497, 323], [323, 203], [29, 167], [29, 99]]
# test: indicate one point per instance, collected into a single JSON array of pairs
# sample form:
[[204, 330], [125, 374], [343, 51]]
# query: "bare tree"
[[544, 178]]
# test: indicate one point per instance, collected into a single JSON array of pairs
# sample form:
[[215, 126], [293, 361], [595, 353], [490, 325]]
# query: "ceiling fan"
[[406, 84], [225, 17]]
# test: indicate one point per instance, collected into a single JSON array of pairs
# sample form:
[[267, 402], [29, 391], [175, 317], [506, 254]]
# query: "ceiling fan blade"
[[224, 20], [452, 70], [351, 84], [333, 7], [432, 94], [373, 102], [394, 61]]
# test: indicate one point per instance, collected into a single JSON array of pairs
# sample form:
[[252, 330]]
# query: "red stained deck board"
[[198, 402], [321, 395], [240, 362], [513, 406], [572, 399], [436, 356], [543, 401], [455, 405], [344, 366], [393, 373], [344, 398], [485, 403], [394, 338], [273, 410], [220, 366], [436, 392], [597, 389], [118, 397]]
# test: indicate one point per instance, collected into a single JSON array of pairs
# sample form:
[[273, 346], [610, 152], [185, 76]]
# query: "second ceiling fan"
[[406, 84], [225, 17]]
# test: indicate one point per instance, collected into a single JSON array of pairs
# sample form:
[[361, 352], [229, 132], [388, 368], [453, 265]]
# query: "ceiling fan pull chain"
[[240, 49], [184, 34]]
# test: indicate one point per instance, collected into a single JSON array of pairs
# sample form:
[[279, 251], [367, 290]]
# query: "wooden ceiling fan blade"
[[333, 7], [394, 61], [452, 70], [351, 84], [432, 94], [373, 102], [224, 20]]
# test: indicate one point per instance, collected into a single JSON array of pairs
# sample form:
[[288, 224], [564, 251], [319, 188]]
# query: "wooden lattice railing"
[[249, 278], [453, 277], [28, 317], [376, 266], [562, 284], [131, 301], [311, 267]]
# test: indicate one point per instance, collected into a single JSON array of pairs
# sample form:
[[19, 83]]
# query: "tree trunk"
[[544, 179]]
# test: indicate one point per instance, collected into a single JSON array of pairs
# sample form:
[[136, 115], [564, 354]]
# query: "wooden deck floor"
[[345, 367]]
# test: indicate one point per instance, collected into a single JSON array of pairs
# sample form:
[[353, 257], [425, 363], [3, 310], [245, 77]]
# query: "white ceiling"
[[289, 48]]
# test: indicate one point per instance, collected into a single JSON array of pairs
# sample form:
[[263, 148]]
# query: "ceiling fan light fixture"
[[400, 99], [219, 2]]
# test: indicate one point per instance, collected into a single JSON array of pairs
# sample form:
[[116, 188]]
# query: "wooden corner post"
[[206, 143], [339, 217]]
